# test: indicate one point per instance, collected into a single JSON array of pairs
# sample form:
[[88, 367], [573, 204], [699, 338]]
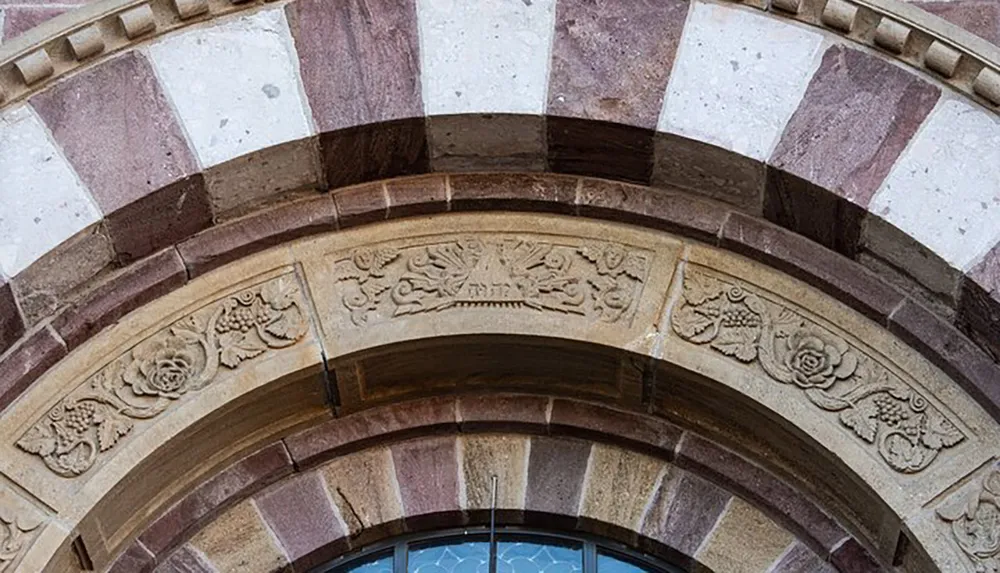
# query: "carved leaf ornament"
[[875, 404], [14, 536], [975, 522], [180, 360], [602, 280]]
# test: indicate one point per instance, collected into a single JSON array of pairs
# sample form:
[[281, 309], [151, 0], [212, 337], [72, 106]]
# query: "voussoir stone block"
[[375, 151], [505, 456], [744, 541], [619, 486], [35, 353], [238, 540], [633, 430], [186, 559], [556, 470], [427, 472], [42, 200], [116, 127], [300, 512], [503, 412], [359, 60], [365, 491], [979, 303], [683, 512], [486, 142], [11, 324], [514, 192], [411, 196]]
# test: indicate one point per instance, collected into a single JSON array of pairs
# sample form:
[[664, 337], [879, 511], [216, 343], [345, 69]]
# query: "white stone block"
[[235, 85], [738, 78], [490, 56], [42, 201], [945, 189]]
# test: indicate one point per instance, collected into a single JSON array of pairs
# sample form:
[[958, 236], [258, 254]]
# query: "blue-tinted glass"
[[381, 563], [529, 557], [609, 564], [467, 557]]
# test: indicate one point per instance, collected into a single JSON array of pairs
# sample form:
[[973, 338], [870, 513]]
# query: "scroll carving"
[[179, 360], [598, 280], [975, 522], [875, 404]]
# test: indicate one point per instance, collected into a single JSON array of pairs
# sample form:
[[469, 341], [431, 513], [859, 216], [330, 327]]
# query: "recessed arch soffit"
[[862, 423]]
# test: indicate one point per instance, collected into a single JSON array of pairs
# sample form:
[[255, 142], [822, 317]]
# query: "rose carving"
[[815, 362], [166, 371]]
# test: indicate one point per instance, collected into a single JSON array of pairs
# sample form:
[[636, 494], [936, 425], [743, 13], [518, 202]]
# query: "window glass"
[[534, 557], [379, 563], [454, 557], [611, 564]]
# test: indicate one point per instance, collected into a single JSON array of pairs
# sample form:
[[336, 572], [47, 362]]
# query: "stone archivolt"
[[598, 280], [17, 530], [181, 359], [874, 403], [975, 522]]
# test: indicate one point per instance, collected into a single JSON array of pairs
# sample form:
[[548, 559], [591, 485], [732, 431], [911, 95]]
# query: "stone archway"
[[833, 405]]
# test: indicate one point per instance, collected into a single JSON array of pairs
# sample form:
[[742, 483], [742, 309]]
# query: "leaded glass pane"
[[533, 557], [456, 557], [609, 564], [381, 563]]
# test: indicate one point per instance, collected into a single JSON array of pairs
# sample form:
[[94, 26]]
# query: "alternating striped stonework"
[[314, 496]]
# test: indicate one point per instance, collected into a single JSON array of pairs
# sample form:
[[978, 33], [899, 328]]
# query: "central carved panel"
[[601, 281]]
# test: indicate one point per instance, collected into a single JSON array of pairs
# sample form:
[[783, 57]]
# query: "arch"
[[398, 112], [833, 405]]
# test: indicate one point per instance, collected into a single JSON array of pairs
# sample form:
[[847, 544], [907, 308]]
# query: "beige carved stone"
[[877, 405], [974, 518], [148, 379], [19, 525]]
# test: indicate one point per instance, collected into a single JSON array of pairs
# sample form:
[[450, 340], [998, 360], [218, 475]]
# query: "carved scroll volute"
[[19, 524], [180, 360], [876, 405], [974, 518]]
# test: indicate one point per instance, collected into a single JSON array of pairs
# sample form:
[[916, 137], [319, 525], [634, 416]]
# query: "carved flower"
[[166, 370], [816, 362]]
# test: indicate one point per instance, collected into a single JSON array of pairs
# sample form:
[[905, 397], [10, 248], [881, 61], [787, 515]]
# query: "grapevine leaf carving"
[[183, 358], [974, 517], [876, 405], [16, 533]]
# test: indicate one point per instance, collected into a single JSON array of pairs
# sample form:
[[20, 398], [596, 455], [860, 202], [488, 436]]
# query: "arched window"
[[518, 551]]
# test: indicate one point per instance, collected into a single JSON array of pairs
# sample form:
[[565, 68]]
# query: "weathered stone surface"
[[503, 412], [944, 345], [235, 482], [116, 128], [186, 559], [119, 294], [134, 559], [18, 19], [854, 120], [361, 205], [824, 269], [229, 108], [359, 60], [300, 513], [981, 17], [515, 192], [801, 559], [623, 84], [813, 212], [662, 209], [794, 510], [417, 196], [27, 360], [238, 238], [427, 472], [44, 202], [744, 541], [590, 420], [851, 557], [11, 324], [239, 540], [599, 149], [619, 486], [376, 151], [57, 277], [484, 456], [487, 142], [759, 68], [363, 487], [556, 470], [979, 303], [323, 441], [160, 219], [709, 171], [684, 511]]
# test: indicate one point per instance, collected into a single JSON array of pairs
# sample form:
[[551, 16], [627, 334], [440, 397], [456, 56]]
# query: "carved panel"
[[19, 524], [179, 360], [601, 281], [875, 404], [974, 518]]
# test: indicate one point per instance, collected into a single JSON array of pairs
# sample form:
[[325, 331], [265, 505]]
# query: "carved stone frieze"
[[18, 526], [181, 359], [975, 522], [879, 407], [601, 281]]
